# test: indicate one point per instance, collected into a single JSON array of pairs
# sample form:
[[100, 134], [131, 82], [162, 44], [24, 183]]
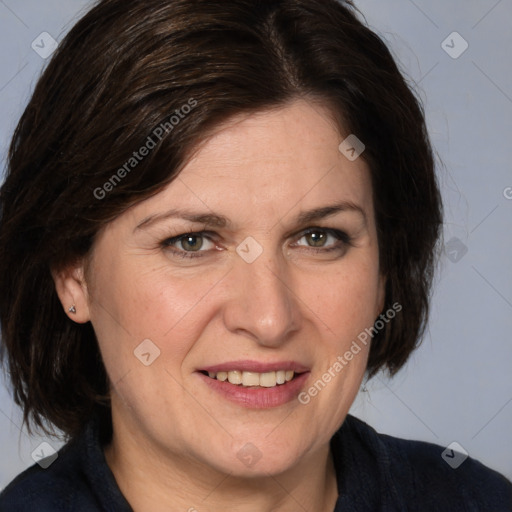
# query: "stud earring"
[[72, 309]]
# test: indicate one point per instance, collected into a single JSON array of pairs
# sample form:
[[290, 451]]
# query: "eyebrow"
[[214, 220]]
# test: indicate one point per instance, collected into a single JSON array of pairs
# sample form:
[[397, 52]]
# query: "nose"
[[262, 305]]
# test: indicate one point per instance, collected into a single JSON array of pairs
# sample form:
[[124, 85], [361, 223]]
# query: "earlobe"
[[71, 288]]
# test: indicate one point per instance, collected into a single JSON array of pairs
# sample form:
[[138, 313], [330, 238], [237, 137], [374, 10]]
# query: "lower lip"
[[258, 398]]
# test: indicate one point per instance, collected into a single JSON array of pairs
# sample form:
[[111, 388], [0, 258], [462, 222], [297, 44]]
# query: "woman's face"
[[268, 289]]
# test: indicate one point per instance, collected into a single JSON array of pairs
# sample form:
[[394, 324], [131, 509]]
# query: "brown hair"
[[121, 72]]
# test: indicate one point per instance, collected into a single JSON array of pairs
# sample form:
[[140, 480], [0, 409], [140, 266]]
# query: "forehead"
[[293, 148], [265, 168]]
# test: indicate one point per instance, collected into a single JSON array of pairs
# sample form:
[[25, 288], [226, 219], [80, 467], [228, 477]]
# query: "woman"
[[217, 218]]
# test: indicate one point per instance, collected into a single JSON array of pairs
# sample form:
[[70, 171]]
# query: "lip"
[[257, 398], [247, 365]]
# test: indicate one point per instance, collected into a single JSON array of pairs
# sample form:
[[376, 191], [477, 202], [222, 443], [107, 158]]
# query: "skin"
[[175, 440]]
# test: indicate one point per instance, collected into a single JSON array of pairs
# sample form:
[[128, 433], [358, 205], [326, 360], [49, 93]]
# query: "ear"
[[72, 291]]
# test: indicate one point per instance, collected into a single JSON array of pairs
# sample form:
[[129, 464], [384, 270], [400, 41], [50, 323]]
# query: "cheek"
[[166, 304], [154, 304], [346, 301], [343, 309]]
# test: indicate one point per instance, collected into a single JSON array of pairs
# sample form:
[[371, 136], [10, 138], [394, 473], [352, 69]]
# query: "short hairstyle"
[[131, 67]]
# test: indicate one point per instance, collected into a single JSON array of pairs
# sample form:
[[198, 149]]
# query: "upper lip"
[[255, 366]]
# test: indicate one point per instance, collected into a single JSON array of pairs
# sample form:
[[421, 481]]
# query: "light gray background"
[[458, 385]]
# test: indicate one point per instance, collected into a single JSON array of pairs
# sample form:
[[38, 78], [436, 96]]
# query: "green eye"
[[319, 237], [316, 238], [191, 242], [319, 240], [189, 245]]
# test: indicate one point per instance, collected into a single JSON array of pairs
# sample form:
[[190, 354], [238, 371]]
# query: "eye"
[[189, 243], [318, 238], [197, 244]]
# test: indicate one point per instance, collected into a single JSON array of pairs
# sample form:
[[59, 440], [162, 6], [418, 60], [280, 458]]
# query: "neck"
[[155, 482]]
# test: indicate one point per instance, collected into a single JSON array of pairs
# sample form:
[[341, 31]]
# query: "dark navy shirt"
[[375, 472]]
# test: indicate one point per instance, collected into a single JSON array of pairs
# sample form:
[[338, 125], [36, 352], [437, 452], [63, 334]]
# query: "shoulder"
[[59, 487], [79, 479], [433, 475]]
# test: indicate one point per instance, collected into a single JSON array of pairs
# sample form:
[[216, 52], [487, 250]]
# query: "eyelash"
[[343, 237]]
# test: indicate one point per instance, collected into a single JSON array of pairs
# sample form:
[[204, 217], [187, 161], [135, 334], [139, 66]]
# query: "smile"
[[253, 379], [256, 385]]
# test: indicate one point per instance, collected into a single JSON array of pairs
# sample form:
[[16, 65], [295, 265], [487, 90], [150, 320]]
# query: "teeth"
[[268, 380], [235, 377], [251, 379]]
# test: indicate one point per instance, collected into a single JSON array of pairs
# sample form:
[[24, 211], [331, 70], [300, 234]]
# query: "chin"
[[246, 459], [262, 467], [262, 458]]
